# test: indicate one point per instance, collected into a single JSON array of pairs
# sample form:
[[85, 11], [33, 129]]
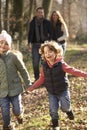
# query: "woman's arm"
[[65, 33]]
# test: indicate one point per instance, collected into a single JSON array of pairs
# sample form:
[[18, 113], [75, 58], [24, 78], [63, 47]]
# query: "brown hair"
[[39, 8], [54, 46], [60, 18]]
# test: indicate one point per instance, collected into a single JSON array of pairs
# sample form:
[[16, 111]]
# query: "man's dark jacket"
[[46, 31]]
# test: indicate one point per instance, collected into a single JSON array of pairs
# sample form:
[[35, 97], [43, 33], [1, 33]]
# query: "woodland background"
[[15, 16]]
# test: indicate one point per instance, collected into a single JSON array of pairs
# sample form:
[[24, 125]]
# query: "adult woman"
[[59, 29]]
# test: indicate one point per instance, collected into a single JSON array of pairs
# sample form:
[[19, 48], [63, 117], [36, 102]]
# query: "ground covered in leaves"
[[36, 106]]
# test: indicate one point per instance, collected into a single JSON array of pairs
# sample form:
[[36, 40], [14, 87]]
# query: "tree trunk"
[[6, 15], [17, 17], [31, 9], [47, 5]]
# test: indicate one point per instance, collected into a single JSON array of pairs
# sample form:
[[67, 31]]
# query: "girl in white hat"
[[15, 68]]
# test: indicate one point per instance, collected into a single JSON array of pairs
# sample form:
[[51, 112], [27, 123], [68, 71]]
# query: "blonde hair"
[[52, 45]]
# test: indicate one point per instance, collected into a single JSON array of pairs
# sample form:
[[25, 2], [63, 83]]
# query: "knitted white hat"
[[5, 36]]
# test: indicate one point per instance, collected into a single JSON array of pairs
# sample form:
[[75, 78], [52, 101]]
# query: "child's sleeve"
[[73, 71], [21, 68], [38, 82]]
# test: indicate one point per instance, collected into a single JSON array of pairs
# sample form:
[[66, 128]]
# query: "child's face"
[[4, 45], [49, 54]]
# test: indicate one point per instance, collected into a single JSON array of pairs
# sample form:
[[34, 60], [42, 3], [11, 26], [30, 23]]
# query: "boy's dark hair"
[[39, 8]]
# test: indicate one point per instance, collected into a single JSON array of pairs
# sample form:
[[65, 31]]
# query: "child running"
[[16, 73], [53, 75]]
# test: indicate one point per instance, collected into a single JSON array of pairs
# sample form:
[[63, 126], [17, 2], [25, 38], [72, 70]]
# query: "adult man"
[[39, 31]]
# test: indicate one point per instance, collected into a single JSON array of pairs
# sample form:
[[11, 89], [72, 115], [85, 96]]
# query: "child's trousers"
[[61, 100], [5, 108]]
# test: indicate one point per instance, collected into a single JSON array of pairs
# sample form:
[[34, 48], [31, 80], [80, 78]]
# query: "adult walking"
[[39, 31], [59, 29]]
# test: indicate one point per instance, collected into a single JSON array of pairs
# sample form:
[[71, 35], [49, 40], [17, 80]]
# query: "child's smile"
[[49, 54]]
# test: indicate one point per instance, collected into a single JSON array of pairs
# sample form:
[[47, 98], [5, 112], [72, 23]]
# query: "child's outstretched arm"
[[73, 71], [38, 82]]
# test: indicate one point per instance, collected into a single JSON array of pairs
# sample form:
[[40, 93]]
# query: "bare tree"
[[32, 8], [17, 19], [47, 5], [6, 15]]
